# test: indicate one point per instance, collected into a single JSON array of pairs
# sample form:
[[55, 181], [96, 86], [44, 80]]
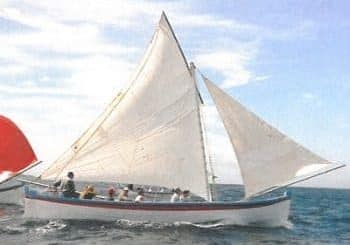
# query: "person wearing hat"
[[140, 196], [176, 196], [123, 196], [69, 187]]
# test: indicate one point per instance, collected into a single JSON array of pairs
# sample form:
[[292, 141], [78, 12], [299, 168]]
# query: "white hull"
[[11, 196], [275, 214]]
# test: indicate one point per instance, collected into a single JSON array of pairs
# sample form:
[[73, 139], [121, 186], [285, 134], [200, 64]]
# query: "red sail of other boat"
[[16, 152]]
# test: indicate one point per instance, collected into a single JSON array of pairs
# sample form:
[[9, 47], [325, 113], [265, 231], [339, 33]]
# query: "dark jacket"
[[69, 186], [69, 189]]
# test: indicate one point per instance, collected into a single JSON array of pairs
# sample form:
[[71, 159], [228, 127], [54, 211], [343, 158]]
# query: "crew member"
[[123, 196], [69, 187], [88, 193], [140, 196], [176, 196], [111, 193]]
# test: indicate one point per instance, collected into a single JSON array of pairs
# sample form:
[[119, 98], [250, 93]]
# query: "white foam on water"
[[52, 226], [288, 225]]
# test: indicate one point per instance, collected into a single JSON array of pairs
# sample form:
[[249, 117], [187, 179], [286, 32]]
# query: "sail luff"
[[267, 158], [164, 18]]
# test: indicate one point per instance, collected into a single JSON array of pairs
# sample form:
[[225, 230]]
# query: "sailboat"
[[16, 157], [152, 134]]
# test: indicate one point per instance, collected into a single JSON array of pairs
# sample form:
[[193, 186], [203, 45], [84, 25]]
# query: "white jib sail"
[[266, 157], [151, 134]]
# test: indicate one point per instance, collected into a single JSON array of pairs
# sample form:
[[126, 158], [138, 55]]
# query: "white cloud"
[[99, 77], [50, 123], [209, 21], [312, 99], [119, 13], [261, 78], [305, 29], [67, 35], [128, 14], [309, 96], [232, 65], [13, 69], [34, 90]]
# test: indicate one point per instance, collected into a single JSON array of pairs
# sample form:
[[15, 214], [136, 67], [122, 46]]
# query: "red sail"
[[15, 151]]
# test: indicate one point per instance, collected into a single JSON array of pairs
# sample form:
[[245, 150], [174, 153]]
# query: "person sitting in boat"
[[88, 193], [176, 196], [185, 196], [123, 196], [140, 196], [111, 193], [133, 192], [54, 187], [130, 187], [69, 187]]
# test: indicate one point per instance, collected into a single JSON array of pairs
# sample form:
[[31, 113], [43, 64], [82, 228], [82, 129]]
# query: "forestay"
[[151, 134], [267, 158]]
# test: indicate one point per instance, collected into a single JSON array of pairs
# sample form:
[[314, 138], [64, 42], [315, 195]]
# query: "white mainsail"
[[267, 158], [151, 134]]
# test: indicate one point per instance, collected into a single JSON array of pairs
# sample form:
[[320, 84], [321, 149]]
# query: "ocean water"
[[318, 216]]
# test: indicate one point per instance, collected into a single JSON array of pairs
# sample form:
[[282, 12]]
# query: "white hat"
[[125, 189]]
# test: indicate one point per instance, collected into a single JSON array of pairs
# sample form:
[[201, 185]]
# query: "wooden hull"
[[271, 212]]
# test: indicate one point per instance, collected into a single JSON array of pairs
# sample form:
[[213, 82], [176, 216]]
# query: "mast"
[[207, 166]]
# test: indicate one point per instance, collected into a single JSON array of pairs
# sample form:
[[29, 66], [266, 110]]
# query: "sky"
[[61, 63]]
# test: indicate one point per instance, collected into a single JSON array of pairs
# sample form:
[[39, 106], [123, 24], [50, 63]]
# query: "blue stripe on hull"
[[159, 206]]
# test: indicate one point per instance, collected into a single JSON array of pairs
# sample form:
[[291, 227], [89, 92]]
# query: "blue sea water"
[[318, 216]]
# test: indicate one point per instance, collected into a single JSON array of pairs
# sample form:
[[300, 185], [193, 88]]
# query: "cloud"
[[126, 14], [98, 77], [312, 99], [309, 96], [231, 64], [210, 21], [58, 75], [62, 38], [262, 78], [234, 58], [34, 90], [51, 108], [49, 119], [304, 29]]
